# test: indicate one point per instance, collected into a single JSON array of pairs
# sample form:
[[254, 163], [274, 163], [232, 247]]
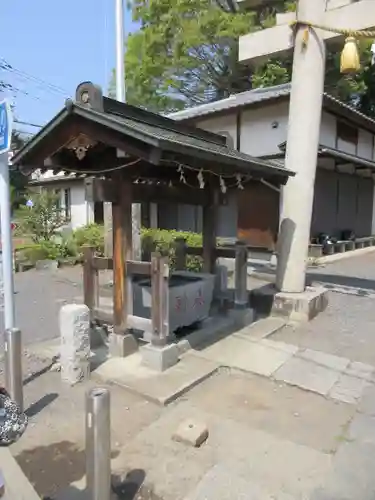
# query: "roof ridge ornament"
[[90, 96]]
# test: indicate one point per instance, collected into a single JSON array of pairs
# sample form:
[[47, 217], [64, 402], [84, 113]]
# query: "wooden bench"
[[17, 486]]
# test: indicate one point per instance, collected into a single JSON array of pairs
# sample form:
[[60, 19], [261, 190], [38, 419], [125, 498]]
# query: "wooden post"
[[159, 299], [209, 231], [122, 251], [148, 247], [240, 278], [180, 252], [89, 281]]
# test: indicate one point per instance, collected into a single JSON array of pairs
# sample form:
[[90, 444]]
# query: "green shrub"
[[46, 250], [164, 241], [92, 235], [161, 240]]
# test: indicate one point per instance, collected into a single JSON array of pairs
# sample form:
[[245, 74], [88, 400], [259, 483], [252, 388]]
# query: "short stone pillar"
[[74, 324]]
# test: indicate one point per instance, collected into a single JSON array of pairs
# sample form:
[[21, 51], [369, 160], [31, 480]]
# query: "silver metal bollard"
[[98, 444], [13, 365]]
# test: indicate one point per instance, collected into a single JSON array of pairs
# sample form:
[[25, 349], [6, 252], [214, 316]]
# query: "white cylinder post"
[[305, 113], [6, 243]]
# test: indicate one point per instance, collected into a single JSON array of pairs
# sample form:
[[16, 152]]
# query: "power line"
[[28, 123], [6, 66]]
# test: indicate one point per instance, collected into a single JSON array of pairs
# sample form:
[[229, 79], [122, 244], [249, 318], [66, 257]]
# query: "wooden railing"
[[157, 269], [238, 252]]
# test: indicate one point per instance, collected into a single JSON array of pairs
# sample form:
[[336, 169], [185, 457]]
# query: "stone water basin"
[[190, 298]]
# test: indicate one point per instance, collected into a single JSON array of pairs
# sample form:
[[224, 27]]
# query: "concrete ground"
[[289, 417]]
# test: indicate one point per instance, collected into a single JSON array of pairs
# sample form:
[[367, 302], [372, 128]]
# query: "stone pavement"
[[289, 417]]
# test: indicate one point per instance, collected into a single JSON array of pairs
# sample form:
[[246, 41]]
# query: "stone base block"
[[192, 433], [159, 358], [46, 265], [120, 346], [242, 317], [292, 306]]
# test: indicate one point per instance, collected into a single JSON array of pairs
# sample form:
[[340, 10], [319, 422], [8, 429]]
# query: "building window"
[[347, 132], [67, 203]]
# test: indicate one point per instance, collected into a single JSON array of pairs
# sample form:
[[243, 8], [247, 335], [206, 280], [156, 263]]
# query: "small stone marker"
[[74, 323], [192, 433]]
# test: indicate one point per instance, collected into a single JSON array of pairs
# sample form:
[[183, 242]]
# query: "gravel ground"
[[346, 328]]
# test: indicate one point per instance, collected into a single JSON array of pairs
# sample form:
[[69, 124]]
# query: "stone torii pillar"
[[304, 115]]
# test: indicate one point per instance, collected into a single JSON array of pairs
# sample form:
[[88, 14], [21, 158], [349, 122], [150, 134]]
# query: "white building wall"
[[328, 130], [264, 128], [365, 144], [80, 210], [218, 124]]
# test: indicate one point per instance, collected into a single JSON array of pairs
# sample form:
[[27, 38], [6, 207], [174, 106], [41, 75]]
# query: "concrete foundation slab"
[[242, 317], [210, 329], [261, 329], [298, 307], [308, 375], [324, 359], [161, 388], [159, 358], [121, 346], [244, 355], [361, 370]]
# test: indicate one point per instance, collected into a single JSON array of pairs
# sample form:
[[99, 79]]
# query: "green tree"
[[185, 53], [44, 218], [18, 181]]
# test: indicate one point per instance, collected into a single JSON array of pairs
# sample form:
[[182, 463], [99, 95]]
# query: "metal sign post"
[[13, 341], [5, 214]]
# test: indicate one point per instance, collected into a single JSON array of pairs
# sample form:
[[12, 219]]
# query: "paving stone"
[[362, 428], [348, 389], [254, 357], [191, 432], [328, 360], [308, 375], [281, 346], [221, 484], [261, 328], [352, 475], [361, 370], [367, 403]]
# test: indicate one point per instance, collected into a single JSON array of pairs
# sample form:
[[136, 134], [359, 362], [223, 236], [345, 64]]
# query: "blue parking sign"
[[5, 126]]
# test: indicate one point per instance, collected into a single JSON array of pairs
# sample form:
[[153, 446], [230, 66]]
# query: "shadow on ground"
[[54, 467]]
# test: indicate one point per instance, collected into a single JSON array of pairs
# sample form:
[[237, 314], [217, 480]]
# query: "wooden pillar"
[[209, 230], [159, 299], [180, 253], [90, 282], [122, 251], [240, 276]]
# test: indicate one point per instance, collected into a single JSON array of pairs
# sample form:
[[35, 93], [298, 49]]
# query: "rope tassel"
[[350, 61]]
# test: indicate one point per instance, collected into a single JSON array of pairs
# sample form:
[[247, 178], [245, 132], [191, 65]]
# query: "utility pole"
[[121, 96], [305, 112]]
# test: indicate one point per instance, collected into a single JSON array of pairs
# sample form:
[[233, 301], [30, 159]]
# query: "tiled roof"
[[259, 95], [233, 102]]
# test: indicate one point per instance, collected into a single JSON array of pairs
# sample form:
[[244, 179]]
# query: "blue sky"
[[62, 42]]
